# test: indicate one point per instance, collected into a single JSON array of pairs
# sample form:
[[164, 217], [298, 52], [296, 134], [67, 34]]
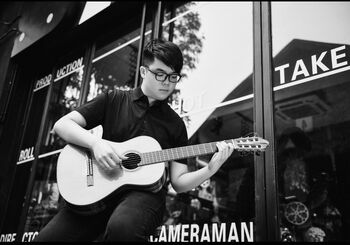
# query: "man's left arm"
[[182, 180]]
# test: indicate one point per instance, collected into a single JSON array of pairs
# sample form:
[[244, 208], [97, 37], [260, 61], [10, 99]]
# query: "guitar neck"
[[179, 153]]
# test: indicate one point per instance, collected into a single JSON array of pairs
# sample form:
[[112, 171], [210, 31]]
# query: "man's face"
[[151, 87]]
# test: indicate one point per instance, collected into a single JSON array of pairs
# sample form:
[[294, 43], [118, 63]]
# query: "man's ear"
[[142, 71]]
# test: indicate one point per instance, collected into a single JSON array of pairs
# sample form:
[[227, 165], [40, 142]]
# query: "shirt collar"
[[139, 95]]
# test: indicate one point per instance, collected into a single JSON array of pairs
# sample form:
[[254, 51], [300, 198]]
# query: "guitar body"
[[91, 194]]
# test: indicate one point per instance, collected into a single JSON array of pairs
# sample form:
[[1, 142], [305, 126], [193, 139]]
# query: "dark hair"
[[165, 51]]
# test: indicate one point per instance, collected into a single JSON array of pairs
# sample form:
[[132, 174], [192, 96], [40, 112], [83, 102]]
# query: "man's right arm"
[[71, 128]]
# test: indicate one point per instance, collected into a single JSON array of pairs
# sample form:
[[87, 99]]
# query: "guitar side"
[[86, 195]]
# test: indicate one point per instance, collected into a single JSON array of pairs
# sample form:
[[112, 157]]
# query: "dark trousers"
[[135, 218]]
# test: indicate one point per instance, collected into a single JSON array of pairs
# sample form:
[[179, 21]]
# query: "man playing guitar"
[[136, 213]]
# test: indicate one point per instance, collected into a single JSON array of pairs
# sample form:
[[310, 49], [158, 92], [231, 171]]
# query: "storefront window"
[[26, 156], [64, 98], [311, 56], [44, 199], [215, 101], [114, 65]]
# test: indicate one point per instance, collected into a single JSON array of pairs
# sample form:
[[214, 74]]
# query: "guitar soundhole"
[[132, 161]]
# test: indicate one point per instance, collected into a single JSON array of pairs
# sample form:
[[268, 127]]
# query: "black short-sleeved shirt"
[[127, 114]]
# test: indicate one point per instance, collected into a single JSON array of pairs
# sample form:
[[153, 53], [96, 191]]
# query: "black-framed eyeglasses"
[[162, 76]]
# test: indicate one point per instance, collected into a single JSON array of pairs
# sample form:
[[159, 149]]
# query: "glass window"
[[64, 98], [44, 201], [215, 101], [114, 64], [26, 156], [311, 55]]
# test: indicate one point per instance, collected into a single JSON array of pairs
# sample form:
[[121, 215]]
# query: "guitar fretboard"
[[179, 153]]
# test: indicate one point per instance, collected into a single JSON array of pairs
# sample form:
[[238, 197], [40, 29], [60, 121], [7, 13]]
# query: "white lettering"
[[26, 154], [29, 236], [282, 74], [335, 57], [11, 237], [300, 63], [317, 63], [184, 232], [248, 233], [188, 104], [209, 233], [174, 233], [162, 235], [205, 233], [43, 82], [185, 104], [234, 237], [69, 68], [219, 237], [194, 233]]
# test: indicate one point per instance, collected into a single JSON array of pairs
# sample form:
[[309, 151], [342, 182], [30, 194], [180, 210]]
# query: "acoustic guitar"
[[88, 189]]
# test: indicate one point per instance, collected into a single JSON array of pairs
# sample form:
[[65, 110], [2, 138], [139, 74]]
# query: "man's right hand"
[[105, 155]]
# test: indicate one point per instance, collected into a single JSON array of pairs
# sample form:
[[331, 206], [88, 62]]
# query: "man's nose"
[[166, 81]]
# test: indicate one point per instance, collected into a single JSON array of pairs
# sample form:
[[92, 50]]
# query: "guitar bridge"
[[90, 180], [90, 173]]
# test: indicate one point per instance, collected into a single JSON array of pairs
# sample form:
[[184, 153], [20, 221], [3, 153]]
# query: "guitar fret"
[[188, 151], [164, 155], [149, 160], [143, 159], [192, 153], [157, 156]]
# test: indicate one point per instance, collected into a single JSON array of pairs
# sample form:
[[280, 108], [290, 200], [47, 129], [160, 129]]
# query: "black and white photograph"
[[174, 121]]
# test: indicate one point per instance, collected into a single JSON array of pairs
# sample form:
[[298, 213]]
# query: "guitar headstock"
[[250, 144]]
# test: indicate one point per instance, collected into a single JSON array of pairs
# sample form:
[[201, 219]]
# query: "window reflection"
[[311, 84], [214, 107], [64, 98], [25, 159], [45, 200], [114, 65]]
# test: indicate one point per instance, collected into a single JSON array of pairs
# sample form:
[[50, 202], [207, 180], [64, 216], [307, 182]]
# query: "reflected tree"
[[186, 34]]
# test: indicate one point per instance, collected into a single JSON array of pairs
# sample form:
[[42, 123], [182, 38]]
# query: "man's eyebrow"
[[160, 69]]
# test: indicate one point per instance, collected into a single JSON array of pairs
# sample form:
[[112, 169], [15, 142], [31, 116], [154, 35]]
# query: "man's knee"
[[124, 230]]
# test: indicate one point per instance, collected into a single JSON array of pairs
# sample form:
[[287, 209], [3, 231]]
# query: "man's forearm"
[[190, 180], [73, 133]]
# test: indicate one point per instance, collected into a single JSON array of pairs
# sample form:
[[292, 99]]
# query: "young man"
[[125, 115]]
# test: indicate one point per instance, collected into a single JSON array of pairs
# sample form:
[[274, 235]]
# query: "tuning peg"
[[248, 135]]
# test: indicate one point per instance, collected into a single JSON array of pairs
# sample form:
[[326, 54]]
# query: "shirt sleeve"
[[94, 110]]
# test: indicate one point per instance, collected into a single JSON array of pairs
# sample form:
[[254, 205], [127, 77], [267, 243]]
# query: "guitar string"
[[205, 146], [129, 163], [133, 161]]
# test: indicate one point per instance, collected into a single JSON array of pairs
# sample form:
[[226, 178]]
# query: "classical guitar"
[[88, 189]]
